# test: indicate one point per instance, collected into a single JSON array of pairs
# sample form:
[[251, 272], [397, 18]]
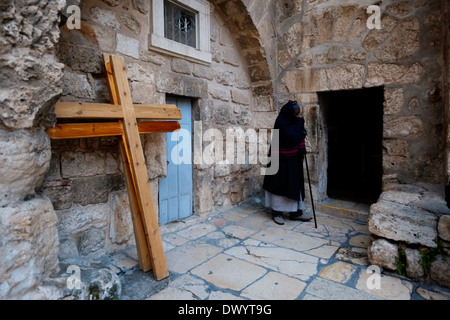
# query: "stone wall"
[[85, 181], [338, 51], [28, 233], [327, 46]]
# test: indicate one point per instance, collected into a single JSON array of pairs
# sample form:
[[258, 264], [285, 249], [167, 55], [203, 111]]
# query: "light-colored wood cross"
[[145, 220]]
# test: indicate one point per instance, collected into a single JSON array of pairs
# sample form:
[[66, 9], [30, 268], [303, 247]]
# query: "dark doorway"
[[354, 119]]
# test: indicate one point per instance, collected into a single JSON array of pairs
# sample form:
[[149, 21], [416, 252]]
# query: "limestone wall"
[[28, 233], [85, 181], [327, 46]]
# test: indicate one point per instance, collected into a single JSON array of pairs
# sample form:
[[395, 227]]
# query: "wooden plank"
[[149, 216], [80, 110], [142, 247], [110, 129], [145, 261]]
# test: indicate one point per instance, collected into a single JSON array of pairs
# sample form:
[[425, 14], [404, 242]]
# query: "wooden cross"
[[145, 220]]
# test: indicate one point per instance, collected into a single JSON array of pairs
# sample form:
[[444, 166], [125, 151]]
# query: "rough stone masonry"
[[66, 200]]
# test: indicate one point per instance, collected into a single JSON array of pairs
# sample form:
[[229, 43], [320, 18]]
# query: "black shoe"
[[277, 217], [300, 216]]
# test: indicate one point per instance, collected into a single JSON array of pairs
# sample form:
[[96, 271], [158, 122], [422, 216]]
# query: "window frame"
[[158, 42]]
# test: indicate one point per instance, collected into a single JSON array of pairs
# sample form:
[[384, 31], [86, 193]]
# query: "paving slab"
[[228, 272], [330, 290], [183, 258], [274, 286], [286, 261]]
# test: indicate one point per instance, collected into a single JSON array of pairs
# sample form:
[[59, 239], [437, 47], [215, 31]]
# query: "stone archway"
[[239, 21]]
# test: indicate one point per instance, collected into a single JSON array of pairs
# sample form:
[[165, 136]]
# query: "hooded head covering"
[[292, 128], [289, 109]]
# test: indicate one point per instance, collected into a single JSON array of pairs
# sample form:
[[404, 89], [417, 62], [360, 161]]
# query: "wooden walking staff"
[[145, 221]]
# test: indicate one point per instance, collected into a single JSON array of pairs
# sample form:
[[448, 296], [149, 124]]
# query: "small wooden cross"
[[145, 220]]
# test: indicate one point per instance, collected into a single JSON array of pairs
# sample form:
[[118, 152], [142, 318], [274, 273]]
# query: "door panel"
[[175, 191]]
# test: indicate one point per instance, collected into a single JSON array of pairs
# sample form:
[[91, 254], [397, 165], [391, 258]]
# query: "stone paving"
[[242, 254]]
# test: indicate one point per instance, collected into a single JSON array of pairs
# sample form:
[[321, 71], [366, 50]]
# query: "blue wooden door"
[[175, 191]]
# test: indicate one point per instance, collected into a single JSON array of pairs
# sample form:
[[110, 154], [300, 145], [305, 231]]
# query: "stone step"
[[344, 209]]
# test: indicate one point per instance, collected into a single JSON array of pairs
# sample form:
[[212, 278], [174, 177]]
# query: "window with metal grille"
[[180, 24], [181, 28]]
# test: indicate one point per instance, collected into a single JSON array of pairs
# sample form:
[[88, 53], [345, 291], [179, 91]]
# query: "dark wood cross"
[[145, 219]]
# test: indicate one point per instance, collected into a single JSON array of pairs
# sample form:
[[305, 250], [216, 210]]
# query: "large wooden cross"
[[145, 220]]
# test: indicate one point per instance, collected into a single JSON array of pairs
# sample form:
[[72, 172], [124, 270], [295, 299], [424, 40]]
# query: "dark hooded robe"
[[289, 180]]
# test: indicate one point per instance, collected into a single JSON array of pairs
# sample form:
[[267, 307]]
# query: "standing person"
[[285, 191]]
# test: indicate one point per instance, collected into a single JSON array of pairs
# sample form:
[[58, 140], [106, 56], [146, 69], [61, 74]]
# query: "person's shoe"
[[278, 220], [277, 217], [300, 216]]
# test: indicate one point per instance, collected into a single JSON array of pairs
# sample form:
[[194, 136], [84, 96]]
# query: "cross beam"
[[145, 220]]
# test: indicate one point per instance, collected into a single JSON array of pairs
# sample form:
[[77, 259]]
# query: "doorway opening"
[[354, 122]]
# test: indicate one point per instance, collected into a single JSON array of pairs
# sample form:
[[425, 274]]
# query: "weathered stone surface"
[[339, 272], [24, 100], [387, 73], [391, 288], [79, 219], [218, 271], [290, 262], [25, 157], [413, 268], [105, 17], [29, 247], [422, 196], [274, 286], [402, 42], [400, 222], [402, 127], [444, 228], [440, 271], [394, 100], [383, 253], [127, 45], [121, 226]]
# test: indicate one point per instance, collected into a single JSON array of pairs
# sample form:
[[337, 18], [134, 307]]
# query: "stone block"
[[413, 268], [424, 196], [399, 222], [78, 86], [241, 97], [78, 164], [104, 17], [181, 66], [131, 22], [79, 219], [127, 46], [402, 42], [25, 158], [227, 270], [383, 253], [394, 100], [444, 227], [344, 19], [440, 271], [29, 248], [121, 225], [389, 73], [403, 127]]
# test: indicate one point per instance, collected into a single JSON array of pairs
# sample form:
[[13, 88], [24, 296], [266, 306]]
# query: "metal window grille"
[[180, 24]]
